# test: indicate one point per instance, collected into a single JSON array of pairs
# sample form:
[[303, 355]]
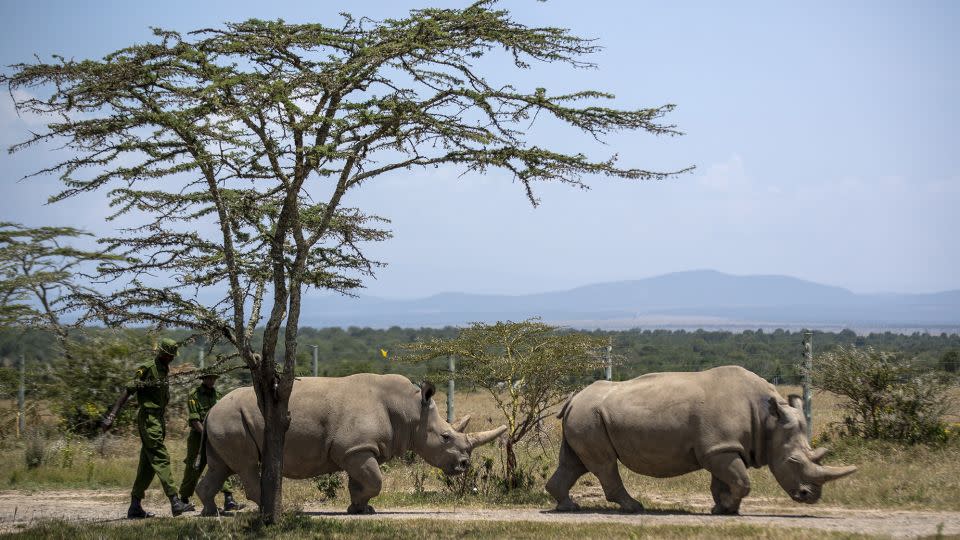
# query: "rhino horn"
[[817, 454], [461, 424], [825, 473], [483, 437]]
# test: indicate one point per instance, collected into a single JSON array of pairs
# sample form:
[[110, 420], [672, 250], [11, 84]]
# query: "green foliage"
[[888, 399], [950, 361], [329, 484], [35, 453], [528, 368]]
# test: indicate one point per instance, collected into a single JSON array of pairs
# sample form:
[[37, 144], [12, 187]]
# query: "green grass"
[[301, 526]]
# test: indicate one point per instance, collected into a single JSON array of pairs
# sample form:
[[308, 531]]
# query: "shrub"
[[35, 453], [887, 398], [329, 484]]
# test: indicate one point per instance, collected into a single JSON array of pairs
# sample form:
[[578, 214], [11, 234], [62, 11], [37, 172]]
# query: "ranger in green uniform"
[[199, 402], [153, 392]]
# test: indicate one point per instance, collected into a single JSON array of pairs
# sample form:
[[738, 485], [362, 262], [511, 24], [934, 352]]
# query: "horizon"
[[822, 134]]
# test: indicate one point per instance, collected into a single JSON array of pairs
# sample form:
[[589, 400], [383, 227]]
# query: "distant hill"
[[702, 298]]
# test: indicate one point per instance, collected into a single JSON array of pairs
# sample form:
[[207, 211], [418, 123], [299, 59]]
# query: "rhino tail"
[[566, 405]]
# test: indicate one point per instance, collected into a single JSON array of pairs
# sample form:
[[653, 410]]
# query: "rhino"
[[350, 424], [724, 420]]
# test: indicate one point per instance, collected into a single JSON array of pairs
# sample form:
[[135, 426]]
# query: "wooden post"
[[316, 364], [450, 389], [21, 399], [807, 367], [609, 360]]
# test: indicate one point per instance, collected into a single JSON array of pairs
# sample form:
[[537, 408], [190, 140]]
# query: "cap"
[[168, 346]]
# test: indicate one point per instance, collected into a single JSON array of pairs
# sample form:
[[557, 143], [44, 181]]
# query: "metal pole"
[[21, 398], [609, 360], [807, 367], [450, 389], [316, 365]]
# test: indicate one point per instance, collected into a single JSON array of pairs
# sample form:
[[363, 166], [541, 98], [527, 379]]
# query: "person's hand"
[[197, 426], [107, 422]]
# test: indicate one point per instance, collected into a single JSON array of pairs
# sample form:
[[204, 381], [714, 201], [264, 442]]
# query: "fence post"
[[202, 361], [807, 368], [21, 398], [450, 389], [316, 365], [609, 360]]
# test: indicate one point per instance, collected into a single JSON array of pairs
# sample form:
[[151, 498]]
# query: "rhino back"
[[663, 424], [330, 417]]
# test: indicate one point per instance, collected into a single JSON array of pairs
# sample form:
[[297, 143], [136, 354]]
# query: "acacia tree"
[[39, 269], [528, 367], [257, 130]]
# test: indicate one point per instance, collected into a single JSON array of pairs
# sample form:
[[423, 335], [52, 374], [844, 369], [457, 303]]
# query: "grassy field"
[[305, 527], [890, 476]]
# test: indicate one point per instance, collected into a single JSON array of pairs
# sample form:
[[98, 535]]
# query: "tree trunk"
[[276, 421], [511, 465]]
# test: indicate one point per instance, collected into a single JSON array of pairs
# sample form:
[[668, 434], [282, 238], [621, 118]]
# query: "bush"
[[887, 398], [329, 484], [35, 453]]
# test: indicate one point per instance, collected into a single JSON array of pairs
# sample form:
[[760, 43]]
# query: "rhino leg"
[[609, 475], [730, 483], [217, 473], [250, 478], [569, 470], [365, 481]]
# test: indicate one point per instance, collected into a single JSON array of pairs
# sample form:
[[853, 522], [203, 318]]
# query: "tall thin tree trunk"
[[276, 421], [511, 464]]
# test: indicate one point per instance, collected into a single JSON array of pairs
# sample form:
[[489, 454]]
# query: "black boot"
[[178, 507], [229, 505], [136, 511], [186, 501]]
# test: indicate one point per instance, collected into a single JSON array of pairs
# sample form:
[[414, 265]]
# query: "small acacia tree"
[[528, 368], [236, 146], [886, 397]]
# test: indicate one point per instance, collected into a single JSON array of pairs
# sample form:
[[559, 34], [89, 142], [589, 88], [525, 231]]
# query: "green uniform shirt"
[[150, 385], [200, 401]]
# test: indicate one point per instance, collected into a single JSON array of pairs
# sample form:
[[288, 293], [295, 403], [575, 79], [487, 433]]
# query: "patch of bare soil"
[[19, 508]]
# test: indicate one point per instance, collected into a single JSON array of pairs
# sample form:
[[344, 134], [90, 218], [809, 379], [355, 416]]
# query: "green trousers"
[[195, 462], [154, 458]]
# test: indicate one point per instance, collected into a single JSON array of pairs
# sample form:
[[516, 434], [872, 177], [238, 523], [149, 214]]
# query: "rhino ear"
[[795, 401], [426, 392], [775, 409]]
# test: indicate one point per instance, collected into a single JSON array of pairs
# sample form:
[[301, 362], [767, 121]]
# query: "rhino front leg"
[[365, 481], [730, 482]]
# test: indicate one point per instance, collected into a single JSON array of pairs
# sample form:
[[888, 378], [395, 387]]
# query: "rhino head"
[[444, 445], [794, 464]]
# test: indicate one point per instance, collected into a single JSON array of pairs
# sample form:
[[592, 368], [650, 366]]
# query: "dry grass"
[[890, 476]]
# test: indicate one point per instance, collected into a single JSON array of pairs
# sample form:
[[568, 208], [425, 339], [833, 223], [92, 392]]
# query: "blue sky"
[[824, 136]]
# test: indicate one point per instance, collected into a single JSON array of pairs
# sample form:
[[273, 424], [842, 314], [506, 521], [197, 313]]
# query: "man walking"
[[199, 403], [153, 392]]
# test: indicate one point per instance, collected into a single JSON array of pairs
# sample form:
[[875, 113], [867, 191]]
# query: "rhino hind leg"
[[365, 481], [609, 475], [730, 483], [216, 474], [569, 470]]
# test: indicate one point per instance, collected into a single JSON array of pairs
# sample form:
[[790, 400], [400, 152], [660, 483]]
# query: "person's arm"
[[112, 415], [193, 415]]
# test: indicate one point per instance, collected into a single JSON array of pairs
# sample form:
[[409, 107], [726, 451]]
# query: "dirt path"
[[19, 508]]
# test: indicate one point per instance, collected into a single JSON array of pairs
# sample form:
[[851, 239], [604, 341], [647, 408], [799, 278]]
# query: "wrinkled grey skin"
[[350, 424], [724, 420]]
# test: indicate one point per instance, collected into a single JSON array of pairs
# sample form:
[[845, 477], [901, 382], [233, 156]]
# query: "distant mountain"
[[702, 298]]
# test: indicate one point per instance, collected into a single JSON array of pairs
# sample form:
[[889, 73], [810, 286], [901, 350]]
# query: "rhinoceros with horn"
[[350, 424], [724, 420]]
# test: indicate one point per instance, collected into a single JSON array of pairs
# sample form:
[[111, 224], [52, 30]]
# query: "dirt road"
[[19, 508]]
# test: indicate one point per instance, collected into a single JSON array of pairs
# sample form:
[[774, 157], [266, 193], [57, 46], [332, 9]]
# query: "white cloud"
[[728, 175]]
